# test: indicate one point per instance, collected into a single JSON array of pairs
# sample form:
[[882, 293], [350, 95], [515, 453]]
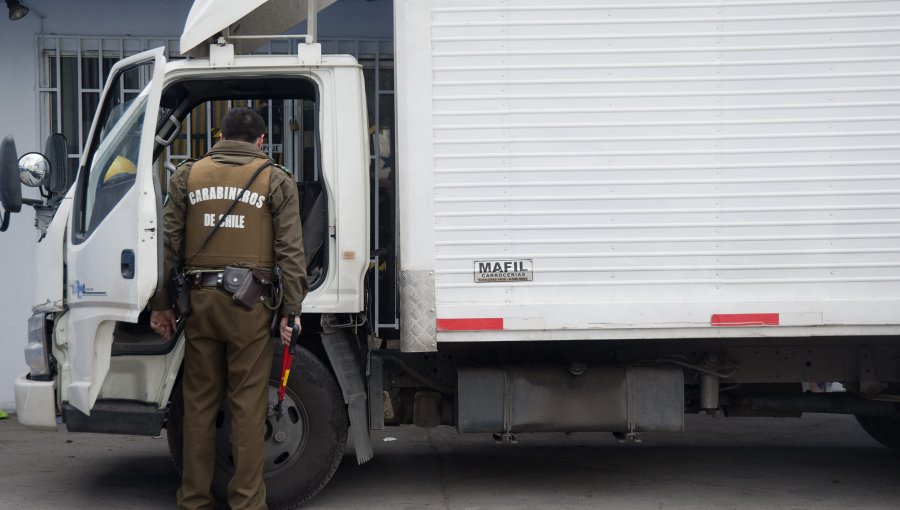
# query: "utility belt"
[[247, 286]]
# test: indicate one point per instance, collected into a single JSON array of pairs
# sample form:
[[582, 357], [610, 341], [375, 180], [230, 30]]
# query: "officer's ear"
[[260, 140]]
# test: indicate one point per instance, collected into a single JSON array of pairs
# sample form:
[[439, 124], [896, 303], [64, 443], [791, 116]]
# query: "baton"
[[287, 359]]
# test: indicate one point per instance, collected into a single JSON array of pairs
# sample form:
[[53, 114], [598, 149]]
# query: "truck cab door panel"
[[114, 211]]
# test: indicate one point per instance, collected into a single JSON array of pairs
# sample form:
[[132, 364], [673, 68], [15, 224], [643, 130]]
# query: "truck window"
[[111, 168]]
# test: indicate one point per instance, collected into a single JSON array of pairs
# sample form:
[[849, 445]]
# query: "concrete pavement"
[[818, 462]]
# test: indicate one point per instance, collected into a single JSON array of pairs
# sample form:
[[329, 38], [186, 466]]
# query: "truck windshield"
[[114, 164]]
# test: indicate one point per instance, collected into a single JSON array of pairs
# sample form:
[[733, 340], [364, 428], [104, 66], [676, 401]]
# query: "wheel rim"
[[285, 437]]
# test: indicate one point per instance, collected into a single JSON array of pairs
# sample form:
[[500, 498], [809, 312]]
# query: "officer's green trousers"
[[228, 347]]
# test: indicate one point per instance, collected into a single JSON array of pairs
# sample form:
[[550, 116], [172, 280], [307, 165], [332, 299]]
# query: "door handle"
[[128, 264]]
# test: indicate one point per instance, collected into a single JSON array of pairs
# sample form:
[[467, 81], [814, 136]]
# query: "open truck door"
[[114, 229]]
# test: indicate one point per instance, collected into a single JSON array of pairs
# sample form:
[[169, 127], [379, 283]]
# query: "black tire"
[[884, 429], [314, 421]]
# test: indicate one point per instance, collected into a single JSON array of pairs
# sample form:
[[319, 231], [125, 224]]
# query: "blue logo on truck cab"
[[80, 290]]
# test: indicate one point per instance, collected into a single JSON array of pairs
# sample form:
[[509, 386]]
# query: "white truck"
[[609, 214]]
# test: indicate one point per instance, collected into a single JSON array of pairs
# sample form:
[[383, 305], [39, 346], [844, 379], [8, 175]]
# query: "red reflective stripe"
[[744, 319], [469, 324]]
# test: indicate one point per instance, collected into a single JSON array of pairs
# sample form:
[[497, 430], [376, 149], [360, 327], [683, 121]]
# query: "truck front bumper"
[[36, 403]]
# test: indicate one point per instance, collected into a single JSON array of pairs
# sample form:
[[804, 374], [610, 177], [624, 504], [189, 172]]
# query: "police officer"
[[228, 346]]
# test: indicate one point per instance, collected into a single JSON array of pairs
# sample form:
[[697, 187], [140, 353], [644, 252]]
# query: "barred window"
[[73, 71]]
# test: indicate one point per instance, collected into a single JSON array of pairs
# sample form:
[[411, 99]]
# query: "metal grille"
[[72, 71]]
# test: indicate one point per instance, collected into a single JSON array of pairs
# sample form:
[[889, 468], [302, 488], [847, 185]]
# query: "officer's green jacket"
[[282, 203]]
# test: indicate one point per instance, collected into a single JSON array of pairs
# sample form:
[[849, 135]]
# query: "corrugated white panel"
[[710, 156]]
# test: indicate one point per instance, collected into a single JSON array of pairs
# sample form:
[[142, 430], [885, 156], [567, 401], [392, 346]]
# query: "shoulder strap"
[[228, 211]]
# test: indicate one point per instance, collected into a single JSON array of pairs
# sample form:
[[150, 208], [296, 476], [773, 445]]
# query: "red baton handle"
[[287, 357], [286, 361]]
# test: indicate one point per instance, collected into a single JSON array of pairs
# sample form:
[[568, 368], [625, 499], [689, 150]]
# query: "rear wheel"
[[884, 429], [303, 447]]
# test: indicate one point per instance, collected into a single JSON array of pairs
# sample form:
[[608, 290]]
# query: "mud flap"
[[340, 347]]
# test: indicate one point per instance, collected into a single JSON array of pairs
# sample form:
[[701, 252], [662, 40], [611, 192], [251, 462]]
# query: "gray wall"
[[19, 116]]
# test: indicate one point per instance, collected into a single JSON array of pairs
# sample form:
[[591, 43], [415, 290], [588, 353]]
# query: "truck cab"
[[95, 364]]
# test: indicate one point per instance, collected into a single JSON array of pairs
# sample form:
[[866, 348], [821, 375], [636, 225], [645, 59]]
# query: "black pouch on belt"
[[180, 293], [244, 288]]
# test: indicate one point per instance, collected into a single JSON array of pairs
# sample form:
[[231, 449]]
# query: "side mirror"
[[34, 169], [57, 154], [10, 186]]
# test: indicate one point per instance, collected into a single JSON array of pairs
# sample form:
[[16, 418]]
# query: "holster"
[[246, 285], [180, 293]]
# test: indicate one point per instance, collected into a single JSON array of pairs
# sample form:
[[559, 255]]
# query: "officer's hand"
[[286, 330], [163, 322]]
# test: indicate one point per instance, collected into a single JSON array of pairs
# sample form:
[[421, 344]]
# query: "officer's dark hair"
[[243, 124]]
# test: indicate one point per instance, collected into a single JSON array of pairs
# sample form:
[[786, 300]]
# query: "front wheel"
[[303, 447], [884, 429]]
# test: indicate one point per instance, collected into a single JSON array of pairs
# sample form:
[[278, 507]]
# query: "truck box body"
[[643, 170]]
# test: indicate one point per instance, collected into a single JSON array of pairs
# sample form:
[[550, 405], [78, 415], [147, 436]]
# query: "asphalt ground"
[[818, 462]]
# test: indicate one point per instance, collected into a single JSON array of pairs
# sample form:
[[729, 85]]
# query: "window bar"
[[59, 120], [40, 84], [121, 55], [209, 126], [121, 49], [293, 153], [142, 77], [121, 81], [100, 67], [58, 65], [121, 88], [270, 105], [295, 160], [78, 99], [100, 82], [189, 136], [302, 145], [43, 69]]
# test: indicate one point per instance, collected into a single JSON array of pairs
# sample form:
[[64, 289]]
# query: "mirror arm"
[[32, 202]]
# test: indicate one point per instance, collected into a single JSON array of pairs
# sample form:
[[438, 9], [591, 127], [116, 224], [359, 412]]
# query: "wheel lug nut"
[[280, 436]]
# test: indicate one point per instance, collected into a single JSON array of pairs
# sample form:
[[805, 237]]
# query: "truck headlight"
[[37, 353]]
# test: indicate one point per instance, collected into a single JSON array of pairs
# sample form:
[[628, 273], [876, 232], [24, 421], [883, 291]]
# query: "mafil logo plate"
[[488, 271]]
